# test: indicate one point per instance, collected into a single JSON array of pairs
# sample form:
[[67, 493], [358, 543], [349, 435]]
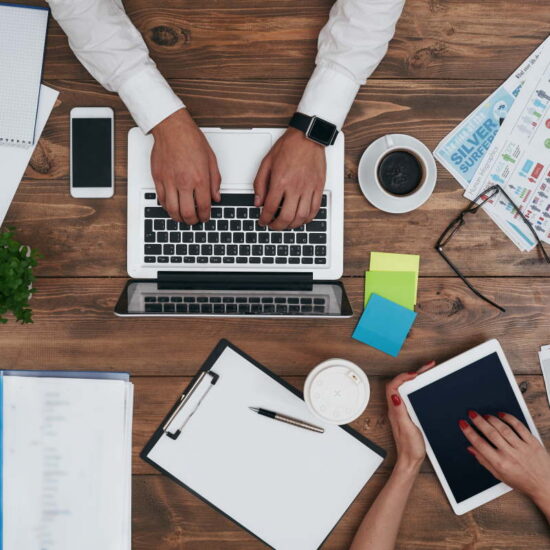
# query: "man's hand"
[[184, 169], [292, 173]]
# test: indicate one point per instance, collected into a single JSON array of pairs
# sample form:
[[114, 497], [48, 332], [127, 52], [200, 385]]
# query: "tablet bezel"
[[441, 371]]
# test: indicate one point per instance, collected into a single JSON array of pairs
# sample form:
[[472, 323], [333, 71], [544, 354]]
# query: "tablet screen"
[[482, 386]]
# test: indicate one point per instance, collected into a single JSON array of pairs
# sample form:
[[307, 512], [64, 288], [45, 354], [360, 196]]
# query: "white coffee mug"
[[370, 183], [337, 391]]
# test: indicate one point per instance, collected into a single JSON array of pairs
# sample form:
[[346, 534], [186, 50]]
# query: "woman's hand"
[[514, 455], [408, 439]]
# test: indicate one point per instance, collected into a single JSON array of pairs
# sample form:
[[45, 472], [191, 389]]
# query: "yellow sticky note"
[[385, 261], [397, 286]]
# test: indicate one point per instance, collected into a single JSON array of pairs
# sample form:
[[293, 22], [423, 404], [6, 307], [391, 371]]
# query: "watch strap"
[[300, 121]]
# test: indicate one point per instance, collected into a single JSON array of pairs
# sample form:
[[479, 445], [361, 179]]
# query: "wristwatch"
[[315, 128]]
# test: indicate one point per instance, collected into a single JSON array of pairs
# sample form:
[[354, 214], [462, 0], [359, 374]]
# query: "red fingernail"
[[486, 416], [463, 424], [395, 399], [412, 373], [472, 414], [471, 451], [501, 415]]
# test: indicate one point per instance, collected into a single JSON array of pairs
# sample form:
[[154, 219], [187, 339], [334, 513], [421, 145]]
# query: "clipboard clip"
[[196, 394]]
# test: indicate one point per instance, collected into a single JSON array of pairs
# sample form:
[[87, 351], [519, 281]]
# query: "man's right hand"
[[184, 169]]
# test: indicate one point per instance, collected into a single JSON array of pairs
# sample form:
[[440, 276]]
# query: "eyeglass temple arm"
[[466, 282]]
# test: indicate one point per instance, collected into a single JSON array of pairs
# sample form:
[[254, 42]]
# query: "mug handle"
[[389, 141]]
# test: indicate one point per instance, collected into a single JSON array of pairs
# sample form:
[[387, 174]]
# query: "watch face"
[[322, 131]]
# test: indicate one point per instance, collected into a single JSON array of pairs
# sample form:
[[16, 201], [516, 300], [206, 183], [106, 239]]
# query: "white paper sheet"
[[66, 469], [14, 160], [287, 485]]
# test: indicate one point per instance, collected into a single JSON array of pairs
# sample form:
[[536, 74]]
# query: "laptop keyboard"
[[232, 237], [236, 305]]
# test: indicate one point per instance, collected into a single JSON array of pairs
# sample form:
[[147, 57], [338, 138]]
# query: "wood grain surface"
[[243, 63]]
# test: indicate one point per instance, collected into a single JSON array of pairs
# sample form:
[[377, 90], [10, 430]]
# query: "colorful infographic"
[[519, 161]]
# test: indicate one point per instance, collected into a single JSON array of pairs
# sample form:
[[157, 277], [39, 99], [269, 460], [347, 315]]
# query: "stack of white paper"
[[66, 463], [544, 356]]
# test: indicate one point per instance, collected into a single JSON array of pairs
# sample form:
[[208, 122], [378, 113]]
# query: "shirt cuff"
[[328, 95], [149, 98]]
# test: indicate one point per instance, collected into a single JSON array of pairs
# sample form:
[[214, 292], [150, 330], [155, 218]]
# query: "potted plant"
[[16, 278]]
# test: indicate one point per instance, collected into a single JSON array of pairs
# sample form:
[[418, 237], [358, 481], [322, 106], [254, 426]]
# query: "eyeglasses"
[[459, 221]]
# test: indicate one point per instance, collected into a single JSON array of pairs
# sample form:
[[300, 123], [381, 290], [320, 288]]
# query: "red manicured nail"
[[501, 415], [486, 416], [395, 399], [472, 414], [463, 424], [412, 373], [471, 451]]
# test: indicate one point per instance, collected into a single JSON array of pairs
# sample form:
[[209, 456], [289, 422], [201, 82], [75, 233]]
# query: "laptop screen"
[[324, 299]]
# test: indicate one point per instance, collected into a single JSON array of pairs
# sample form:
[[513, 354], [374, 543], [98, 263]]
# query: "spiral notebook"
[[22, 43]]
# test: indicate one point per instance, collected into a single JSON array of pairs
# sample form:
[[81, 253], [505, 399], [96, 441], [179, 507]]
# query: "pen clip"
[[186, 398]]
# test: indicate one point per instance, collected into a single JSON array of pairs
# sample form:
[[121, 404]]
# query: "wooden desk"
[[245, 63]]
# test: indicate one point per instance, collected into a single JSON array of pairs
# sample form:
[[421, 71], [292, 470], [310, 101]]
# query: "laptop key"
[[150, 259], [213, 238], [225, 237], [307, 250], [289, 238], [194, 308], [162, 259], [317, 238], [168, 249], [150, 299], [235, 225], [229, 213], [153, 249], [320, 251], [206, 308], [232, 250], [238, 238], [217, 212], [171, 225], [223, 225], [219, 308], [215, 260], [322, 214], [307, 260], [210, 225], [301, 238], [254, 260], [169, 308], [184, 226], [228, 260], [206, 249], [155, 212], [294, 260], [181, 308], [219, 249], [194, 249], [159, 225], [187, 237], [189, 260], [244, 250], [200, 237], [251, 238], [263, 238], [175, 237], [153, 308], [189, 299], [202, 260], [295, 250], [162, 237], [241, 260], [148, 226], [248, 225], [276, 238], [181, 249], [257, 250], [242, 213], [316, 226], [282, 250], [320, 261], [267, 260], [150, 237], [324, 200], [254, 213], [281, 260], [150, 196], [231, 308]]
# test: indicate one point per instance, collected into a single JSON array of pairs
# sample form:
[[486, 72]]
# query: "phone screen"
[[92, 152]]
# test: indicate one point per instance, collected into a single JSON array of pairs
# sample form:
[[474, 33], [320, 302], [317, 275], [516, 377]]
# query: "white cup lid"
[[337, 390]]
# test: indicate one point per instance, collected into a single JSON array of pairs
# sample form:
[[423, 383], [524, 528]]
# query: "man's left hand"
[[291, 176]]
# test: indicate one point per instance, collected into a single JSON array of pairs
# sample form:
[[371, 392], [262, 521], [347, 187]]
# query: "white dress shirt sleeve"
[[351, 45], [113, 51]]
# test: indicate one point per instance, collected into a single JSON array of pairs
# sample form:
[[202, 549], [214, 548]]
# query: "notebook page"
[[22, 41], [287, 485], [66, 469]]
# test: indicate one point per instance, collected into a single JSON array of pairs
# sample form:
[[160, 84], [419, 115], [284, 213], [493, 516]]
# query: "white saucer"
[[367, 173]]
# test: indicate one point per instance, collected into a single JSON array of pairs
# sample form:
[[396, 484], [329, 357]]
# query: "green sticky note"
[[397, 286], [385, 261]]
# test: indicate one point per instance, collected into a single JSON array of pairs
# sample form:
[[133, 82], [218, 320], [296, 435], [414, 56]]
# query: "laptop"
[[230, 266]]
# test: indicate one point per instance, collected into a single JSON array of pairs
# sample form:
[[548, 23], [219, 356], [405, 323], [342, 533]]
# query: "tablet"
[[479, 379]]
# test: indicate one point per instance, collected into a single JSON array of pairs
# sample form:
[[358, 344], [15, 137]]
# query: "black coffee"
[[400, 173]]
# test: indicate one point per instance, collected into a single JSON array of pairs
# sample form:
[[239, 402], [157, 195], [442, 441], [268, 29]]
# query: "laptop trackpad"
[[239, 154]]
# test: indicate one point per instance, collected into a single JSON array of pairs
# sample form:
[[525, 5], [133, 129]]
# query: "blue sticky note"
[[384, 325]]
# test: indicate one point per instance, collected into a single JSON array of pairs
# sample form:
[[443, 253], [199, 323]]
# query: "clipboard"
[[287, 486]]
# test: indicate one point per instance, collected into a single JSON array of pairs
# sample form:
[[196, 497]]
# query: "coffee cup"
[[397, 173], [337, 391]]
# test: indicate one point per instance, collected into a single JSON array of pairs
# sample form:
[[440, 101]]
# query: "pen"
[[288, 420]]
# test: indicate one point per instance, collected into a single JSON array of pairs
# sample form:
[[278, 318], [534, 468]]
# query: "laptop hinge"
[[171, 280]]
